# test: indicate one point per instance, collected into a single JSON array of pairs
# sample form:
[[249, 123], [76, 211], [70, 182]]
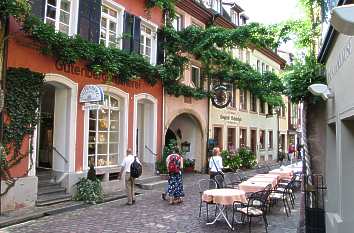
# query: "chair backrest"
[[205, 184], [236, 179], [260, 197], [241, 175], [228, 178], [219, 179]]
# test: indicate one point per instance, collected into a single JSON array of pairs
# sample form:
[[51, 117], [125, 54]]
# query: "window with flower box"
[[103, 138]]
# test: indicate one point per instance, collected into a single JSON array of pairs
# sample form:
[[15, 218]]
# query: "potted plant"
[[188, 165], [161, 167]]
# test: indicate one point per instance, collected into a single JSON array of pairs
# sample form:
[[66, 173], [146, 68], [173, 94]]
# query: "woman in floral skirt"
[[175, 182]]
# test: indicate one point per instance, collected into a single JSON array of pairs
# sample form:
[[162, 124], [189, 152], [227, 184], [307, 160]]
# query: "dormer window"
[[234, 17], [213, 4]]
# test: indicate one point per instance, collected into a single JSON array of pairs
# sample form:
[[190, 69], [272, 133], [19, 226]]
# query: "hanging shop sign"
[[91, 93], [220, 98]]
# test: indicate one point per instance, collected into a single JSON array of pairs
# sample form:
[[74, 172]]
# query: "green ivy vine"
[[211, 46], [167, 6], [22, 102]]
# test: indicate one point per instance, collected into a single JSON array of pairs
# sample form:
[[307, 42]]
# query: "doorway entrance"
[[254, 141], [46, 126], [145, 144]]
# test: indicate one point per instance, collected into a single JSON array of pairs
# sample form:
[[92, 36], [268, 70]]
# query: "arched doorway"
[[145, 131], [54, 142], [187, 131], [170, 135]]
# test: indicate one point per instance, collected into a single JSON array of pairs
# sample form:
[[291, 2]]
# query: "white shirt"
[[218, 163], [127, 161]]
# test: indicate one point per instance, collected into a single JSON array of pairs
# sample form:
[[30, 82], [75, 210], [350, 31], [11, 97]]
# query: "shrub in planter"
[[188, 165], [231, 160], [248, 159], [89, 189]]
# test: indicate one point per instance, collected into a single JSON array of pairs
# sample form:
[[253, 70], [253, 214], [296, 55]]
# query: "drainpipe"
[[2, 85], [208, 127]]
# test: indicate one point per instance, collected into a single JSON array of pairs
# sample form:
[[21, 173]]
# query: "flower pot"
[[189, 169]]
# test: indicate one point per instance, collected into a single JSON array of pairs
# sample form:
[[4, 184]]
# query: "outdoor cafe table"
[[272, 180], [276, 176], [285, 173], [253, 186], [223, 198]]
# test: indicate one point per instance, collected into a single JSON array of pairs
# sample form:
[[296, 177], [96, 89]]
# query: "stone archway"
[[189, 134]]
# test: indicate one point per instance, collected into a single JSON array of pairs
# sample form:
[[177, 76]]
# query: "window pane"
[[52, 2], [103, 114], [93, 114], [51, 12], [112, 26], [113, 137], [102, 148], [113, 148], [103, 23], [92, 125], [113, 13], [64, 18], [102, 125], [65, 5], [148, 51], [51, 22], [92, 136], [102, 137], [148, 30], [112, 37], [114, 115], [101, 160], [148, 42], [114, 125], [114, 102], [105, 9], [63, 28], [113, 159]]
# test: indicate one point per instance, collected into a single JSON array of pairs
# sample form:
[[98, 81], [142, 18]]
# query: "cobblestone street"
[[151, 214]]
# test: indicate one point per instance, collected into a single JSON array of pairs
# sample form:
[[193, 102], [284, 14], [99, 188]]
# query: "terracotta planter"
[[189, 169]]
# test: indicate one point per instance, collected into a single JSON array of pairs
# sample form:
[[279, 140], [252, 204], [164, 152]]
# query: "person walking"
[[129, 181], [174, 163], [215, 163]]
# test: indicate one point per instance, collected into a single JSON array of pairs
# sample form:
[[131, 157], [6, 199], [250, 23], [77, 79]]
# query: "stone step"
[[46, 183], [53, 198], [153, 185], [149, 179], [50, 189]]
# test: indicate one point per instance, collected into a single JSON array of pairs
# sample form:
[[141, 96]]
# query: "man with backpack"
[[133, 169]]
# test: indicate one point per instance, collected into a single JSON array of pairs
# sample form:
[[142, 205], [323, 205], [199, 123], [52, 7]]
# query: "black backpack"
[[135, 169]]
